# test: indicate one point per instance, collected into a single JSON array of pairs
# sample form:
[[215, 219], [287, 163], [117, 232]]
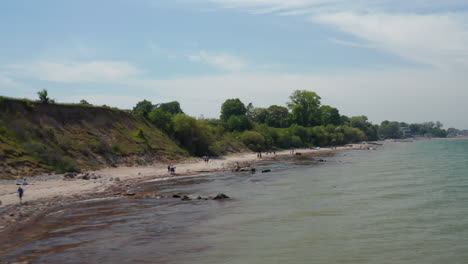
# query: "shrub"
[[43, 96], [253, 140]]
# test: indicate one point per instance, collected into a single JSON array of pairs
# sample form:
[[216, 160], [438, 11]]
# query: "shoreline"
[[52, 193]]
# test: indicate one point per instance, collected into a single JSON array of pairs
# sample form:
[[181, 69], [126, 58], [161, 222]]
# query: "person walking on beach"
[[20, 194], [169, 168]]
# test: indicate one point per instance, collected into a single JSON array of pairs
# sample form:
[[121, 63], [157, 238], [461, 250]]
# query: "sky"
[[387, 59]]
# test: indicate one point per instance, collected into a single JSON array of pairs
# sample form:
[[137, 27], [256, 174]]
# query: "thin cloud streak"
[[223, 61], [74, 72]]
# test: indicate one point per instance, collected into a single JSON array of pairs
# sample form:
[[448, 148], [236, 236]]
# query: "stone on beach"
[[220, 196]]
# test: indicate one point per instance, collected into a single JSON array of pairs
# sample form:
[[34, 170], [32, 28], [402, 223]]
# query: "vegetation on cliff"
[[44, 136]]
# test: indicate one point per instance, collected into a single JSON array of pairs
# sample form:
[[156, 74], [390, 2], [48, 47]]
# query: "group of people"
[[171, 169], [259, 154], [206, 159]]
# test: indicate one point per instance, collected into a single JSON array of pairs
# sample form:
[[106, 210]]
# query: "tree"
[[232, 107], [172, 107], [43, 97], [260, 115], [389, 129], [330, 116], [278, 116], [162, 120], [360, 122], [250, 111], [192, 134], [143, 108], [239, 123], [84, 102], [304, 106]]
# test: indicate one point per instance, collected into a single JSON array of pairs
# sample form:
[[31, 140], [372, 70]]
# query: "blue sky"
[[385, 59]]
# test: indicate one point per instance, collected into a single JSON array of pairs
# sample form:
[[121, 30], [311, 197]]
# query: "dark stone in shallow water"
[[175, 196], [264, 171], [186, 198], [220, 196]]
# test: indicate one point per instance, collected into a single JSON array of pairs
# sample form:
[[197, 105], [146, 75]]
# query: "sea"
[[401, 202]]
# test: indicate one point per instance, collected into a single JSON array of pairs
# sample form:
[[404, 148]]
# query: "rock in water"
[[220, 196], [186, 198], [264, 171], [175, 196]]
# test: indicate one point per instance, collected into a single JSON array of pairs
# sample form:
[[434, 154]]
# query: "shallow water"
[[403, 203]]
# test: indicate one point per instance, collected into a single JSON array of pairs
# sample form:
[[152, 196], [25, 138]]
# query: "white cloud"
[[74, 72], [437, 39], [222, 61], [301, 7], [421, 31]]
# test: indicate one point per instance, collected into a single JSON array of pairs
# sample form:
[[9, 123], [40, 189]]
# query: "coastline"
[[46, 194]]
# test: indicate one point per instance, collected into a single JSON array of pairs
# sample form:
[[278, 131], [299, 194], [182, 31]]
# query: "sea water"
[[401, 203]]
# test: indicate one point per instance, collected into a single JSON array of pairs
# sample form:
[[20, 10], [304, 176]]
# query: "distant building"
[[453, 132], [406, 131]]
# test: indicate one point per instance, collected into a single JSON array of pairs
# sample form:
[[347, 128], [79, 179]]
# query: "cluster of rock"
[[219, 196], [81, 176]]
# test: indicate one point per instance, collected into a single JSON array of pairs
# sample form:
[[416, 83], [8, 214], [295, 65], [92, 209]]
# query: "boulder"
[[265, 171], [298, 154], [130, 193], [220, 196], [176, 196], [186, 198], [70, 175], [117, 179]]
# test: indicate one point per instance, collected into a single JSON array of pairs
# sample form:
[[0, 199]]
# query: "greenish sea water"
[[401, 203]]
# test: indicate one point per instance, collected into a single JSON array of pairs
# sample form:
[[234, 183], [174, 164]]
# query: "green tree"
[[239, 123], [360, 122], [162, 120], [330, 116], [143, 108], [304, 106], [260, 115], [43, 97], [172, 108], [389, 129], [232, 107], [192, 134], [84, 102], [278, 116], [250, 111]]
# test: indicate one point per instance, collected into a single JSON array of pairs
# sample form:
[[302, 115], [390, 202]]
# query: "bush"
[[43, 96], [56, 160], [194, 135], [253, 140]]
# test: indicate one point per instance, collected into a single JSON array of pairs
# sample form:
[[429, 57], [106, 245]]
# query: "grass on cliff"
[[34, 139]]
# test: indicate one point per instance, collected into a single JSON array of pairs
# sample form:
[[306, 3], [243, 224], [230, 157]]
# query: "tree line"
[[303, 122]]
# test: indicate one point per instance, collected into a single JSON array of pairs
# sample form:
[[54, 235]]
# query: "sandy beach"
[[45, 192]]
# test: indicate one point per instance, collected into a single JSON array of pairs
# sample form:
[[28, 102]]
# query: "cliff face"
[[41, 138]]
